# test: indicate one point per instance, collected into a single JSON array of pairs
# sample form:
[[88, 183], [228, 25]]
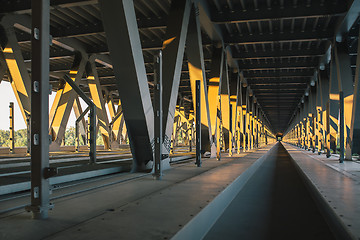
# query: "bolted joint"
[[50, 172]]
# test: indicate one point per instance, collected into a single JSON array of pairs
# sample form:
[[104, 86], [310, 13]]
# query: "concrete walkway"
[[142, 208], [335, 184]]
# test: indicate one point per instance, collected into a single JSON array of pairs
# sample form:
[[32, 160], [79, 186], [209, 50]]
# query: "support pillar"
[[40, 171], [213, 95], [173, 54], [158, 117], [225, 105], [98, 99], [11, 128], [345, 81], [194, 52], [354, 136], [124, 44], [198, 122], [333, 106]]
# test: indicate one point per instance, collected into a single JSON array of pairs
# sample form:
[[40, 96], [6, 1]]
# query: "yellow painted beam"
[[19, 76], [197, 74], [62, 108]]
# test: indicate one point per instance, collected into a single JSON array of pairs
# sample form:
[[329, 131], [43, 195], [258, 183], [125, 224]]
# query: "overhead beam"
[[296, 36], [298, 80], [279, 74], [314, 10], [96, 27], [283, 86], [25, 5], [277, 53], [278, 65]]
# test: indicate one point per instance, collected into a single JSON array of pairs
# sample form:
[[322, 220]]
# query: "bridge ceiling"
[[277, 44]]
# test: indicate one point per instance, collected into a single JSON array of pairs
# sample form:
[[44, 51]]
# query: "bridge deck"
[[134, 206]]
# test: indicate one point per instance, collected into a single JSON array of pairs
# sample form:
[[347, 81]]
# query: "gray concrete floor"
[[274, 204], [142, 208]]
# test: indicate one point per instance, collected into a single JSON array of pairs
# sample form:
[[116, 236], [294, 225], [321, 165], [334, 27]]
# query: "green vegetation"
[[21, 138]]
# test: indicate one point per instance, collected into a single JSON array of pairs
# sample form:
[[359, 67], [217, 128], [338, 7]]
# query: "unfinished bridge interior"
[[195, 119]]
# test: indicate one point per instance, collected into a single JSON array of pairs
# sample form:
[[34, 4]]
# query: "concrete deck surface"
[[142, 208]]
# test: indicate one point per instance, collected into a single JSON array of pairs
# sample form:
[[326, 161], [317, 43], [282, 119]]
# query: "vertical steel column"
[[319, 121], [345, 83], [354, 136], [230, 130], [333, 102], [28, 136], [11, 128], [341, 123], [158, 112], [40, 109], [198, 123]]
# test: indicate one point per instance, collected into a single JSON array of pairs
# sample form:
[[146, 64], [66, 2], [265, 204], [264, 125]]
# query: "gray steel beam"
[[63, 107], [278, 65], [124, 43], [355, 111], [213, 95], [279, 74], [195, 56], [11, 128], [198, 122], [40, 171], [348, 20], [296, 36], [96, 27], [77, 128], [345, 78], [333, 112], [173, 54], [324, 92], [277, 53], [158, 115], [280, 91], [225, 103], [316, 9], [92, 117], [276, 86], [25, 5], [298, 80]]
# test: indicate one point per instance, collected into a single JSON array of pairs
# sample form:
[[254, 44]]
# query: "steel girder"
[[18, 73], [64, 103], [124, 44], [40, 170], [98, 99], [194, 52], [225, 104], [172, 60], [213, 96], [278, 13], [354, 136]]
